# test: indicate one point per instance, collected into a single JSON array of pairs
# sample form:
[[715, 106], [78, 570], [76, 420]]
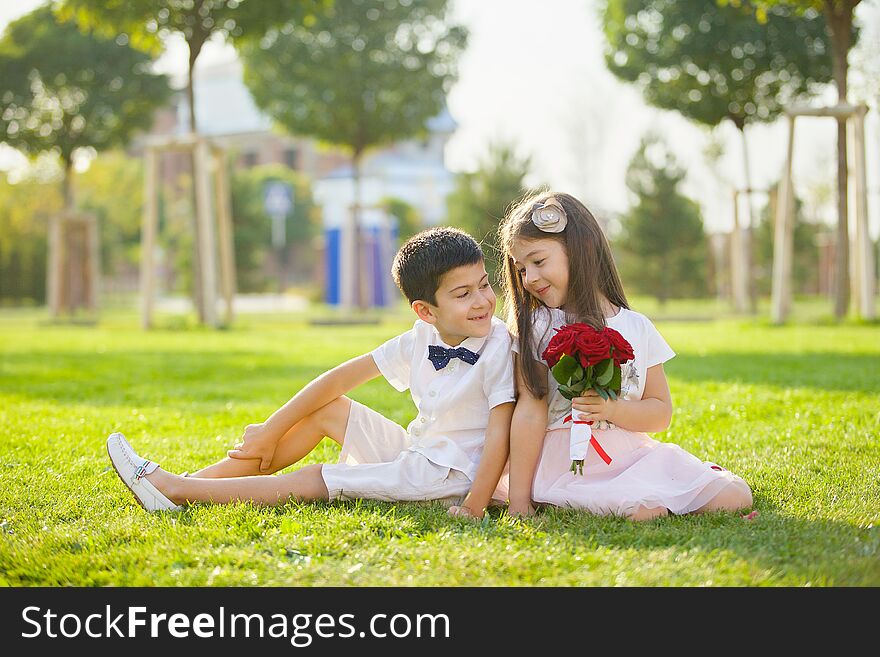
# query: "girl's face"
[[543, 269]]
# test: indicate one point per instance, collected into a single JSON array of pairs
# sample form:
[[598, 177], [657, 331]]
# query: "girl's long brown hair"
[[592, 275]]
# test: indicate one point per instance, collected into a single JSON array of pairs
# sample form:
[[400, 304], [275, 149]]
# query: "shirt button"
[[422, 420], [417, 431], [433, 393]]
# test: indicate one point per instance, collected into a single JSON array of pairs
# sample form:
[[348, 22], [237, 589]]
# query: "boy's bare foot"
[[464, 512]]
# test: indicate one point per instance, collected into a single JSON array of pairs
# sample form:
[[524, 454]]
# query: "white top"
[[648, 346], [453, 402]]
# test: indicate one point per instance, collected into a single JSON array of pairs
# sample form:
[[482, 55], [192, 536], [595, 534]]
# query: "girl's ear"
[[424, 312]]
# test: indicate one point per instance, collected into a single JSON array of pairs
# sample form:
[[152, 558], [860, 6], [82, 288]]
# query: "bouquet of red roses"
[[581, 357]]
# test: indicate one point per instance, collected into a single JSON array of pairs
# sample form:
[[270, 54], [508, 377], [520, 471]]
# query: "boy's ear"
[[423, 311]]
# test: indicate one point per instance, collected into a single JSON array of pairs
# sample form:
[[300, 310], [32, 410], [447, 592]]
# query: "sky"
[[533, 75]]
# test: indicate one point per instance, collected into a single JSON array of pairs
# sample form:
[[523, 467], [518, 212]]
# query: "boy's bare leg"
[[307, 483], [330, 420]]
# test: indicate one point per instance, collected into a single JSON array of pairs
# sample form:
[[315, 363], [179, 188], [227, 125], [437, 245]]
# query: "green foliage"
[[253, 226], [409, 222], [113, 189], [146, 23], [573, 380], [25, 208], [365, 74], [64, 90], [662, 244], [712, 62], [792, 409], [481, 198]]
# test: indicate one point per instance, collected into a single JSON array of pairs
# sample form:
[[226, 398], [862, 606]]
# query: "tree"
[[368, 73], [839, 19], [64, 90], [712, 63], [481, 198], [148, 23], [662, 239]]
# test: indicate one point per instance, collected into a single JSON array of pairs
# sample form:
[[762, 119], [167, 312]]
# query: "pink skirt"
[[642, 472]]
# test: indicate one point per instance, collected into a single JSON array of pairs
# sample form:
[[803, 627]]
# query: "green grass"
[[795, 410]]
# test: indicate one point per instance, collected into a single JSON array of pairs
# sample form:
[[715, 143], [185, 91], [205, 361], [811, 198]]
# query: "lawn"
[[795, 410]]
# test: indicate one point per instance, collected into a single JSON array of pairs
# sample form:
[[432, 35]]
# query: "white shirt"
[[453, 402], [648, 346]]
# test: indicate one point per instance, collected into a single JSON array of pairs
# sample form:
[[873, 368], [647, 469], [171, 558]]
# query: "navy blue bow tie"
[[440, 356]]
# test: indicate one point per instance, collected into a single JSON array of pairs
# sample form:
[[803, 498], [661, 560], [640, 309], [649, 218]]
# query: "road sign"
[[278, 202]]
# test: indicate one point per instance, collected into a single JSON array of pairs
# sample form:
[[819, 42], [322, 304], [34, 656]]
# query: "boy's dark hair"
[[426, 256]]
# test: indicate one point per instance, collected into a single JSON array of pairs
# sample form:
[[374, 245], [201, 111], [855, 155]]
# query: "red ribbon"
[[595, 443]]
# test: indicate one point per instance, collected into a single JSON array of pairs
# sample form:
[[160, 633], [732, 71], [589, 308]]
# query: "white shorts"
[[376, 464]]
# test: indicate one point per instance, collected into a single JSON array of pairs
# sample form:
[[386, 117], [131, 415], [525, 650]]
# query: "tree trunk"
[[67, 185], [839, 18], [195, 47], [748, 233]]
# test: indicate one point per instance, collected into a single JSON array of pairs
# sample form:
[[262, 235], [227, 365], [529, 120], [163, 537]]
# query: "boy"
[[456, 361]]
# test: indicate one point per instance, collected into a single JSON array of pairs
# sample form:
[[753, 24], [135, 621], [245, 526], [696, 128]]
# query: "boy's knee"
[[332, 418]]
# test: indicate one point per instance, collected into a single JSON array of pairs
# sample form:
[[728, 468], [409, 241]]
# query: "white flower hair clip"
[[549, 216]]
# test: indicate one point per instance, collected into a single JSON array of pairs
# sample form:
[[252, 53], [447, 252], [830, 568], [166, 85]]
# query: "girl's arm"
[[491, 466], [259, 440], [527, 429], [651, 413]]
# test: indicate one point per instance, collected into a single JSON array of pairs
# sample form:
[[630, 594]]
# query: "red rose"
[[560, 344], [623, 350], [592, 345]]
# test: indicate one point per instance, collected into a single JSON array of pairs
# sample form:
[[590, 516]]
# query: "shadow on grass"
[[778, 548], [152, 377], [556, 548], [824, 371]]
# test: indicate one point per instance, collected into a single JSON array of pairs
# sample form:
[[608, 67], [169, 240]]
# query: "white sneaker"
[[132, 469]]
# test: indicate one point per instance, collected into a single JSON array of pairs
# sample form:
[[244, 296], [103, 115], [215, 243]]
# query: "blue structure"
[[378, 244]]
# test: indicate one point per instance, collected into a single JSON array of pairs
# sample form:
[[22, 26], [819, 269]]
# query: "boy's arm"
[[527, 429], [492, 462], [260, 440]]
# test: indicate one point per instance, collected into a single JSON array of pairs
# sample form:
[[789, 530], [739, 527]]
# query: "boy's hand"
[[464, 512], [592, 407], [256, 443], [520, 510]]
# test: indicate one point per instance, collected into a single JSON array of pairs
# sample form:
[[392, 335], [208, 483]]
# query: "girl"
[[559, 270]]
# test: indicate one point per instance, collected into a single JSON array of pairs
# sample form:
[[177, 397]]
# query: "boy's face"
[[465, 305]]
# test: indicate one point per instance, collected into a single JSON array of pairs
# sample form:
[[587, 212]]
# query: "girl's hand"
[[256, 443], [592, 407]]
